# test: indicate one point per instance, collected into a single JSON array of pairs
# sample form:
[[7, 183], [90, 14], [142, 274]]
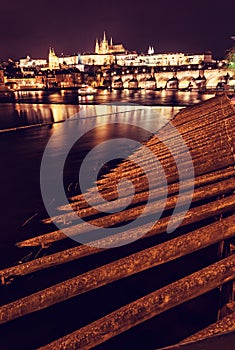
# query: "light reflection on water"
[[36, 107], [18, 115], [22, 150], [103, 96]]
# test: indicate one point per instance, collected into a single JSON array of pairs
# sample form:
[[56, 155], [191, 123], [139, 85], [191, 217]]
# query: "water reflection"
[[37, 107], [148, 97], [23, 150], [18, 115]]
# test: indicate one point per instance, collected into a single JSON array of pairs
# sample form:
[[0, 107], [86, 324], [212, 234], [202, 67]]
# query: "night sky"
[[191, 26]]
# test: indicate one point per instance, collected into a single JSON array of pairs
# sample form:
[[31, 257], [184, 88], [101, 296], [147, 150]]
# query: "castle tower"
[[150, 50], [104, 46], [53, 60], [97, 47]]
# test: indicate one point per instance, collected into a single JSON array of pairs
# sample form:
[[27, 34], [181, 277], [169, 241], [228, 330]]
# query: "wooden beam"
[[78, 202], [211, 234], [148, 307], [204, 192], [192, 216], [113, 271], [225, 325]]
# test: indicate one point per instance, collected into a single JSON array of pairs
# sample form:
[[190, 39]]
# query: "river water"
[[164, 97], [22, 149], [21, 200]]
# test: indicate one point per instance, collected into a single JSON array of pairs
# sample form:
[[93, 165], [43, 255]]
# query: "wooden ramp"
[[208, 130]]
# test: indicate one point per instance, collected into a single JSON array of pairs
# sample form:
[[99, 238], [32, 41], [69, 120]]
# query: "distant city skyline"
[[73, 26]]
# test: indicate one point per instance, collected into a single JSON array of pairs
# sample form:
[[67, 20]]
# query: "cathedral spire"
[[111, 41], [97, 46], [104, 39]]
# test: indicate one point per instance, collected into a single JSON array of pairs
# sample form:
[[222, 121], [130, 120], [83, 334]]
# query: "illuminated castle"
[[103, 47]]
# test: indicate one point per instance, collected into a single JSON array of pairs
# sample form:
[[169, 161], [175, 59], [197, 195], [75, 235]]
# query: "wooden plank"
[[227, 324], [148, 307], [216, 158], [192, 216], [222, 187], [209, 127], [119, 269], [202, 180], [190, 132], [218, 342], [78, 202], [159, 254]]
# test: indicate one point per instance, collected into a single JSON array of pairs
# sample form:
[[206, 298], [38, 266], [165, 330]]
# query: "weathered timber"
[[211, 124], [192, 216], [202, 180], [203, 192], [217, 342], [148, 258], [225, 325], [208, 130], [219, 120], [148, 307]]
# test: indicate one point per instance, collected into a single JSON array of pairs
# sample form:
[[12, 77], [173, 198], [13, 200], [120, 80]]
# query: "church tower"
[[104, 46], [150, 50], [97, 47], [53, 60]]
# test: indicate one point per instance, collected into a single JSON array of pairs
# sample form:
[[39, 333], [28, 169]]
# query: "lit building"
[[56, 62], [71, 62], [29, 62], [1, 77], [53, 60], [162, 59], [99, 60], [194, 59], [25, 83], [68, 60], [105, 53], [68, 78], [126, 59], [104, 47]]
